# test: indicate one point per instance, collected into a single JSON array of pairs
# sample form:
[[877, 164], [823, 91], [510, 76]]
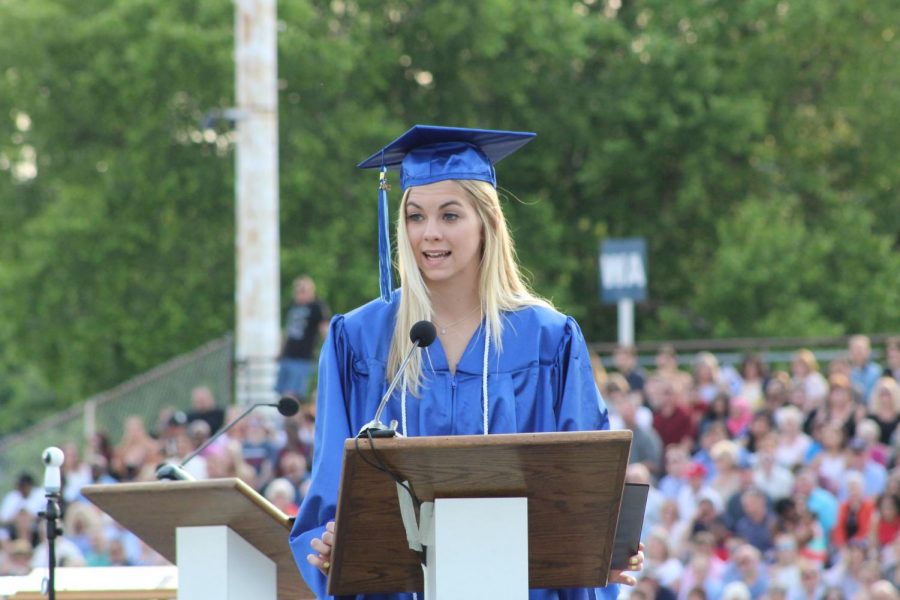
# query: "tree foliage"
[[752, 143]]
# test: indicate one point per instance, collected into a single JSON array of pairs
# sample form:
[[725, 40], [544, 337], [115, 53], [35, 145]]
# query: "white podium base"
[[477, 549], [216, 563]]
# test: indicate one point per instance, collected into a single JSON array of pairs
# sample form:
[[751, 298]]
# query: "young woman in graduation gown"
[[504, 361]]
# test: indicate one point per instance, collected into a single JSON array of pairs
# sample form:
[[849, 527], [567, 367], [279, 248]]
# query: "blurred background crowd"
[[767, 481]]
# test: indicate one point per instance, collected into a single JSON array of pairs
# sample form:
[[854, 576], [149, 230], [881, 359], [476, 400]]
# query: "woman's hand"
[[635, 563], [323, 547]]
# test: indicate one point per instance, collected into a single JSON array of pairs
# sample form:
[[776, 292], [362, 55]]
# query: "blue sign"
[[623, 270]]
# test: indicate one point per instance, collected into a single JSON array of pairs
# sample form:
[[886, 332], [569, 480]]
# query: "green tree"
[[753, 143]]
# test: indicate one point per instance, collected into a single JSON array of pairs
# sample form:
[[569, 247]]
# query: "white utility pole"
[[626, 322], [257, 294]]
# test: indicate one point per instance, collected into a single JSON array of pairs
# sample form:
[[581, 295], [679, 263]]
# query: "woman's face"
[[884, 403], [444, 231]]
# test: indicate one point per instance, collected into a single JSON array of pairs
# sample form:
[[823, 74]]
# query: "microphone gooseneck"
[[287, 406], [422, 334]]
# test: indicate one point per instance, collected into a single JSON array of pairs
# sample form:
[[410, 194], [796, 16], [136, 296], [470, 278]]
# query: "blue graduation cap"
[[428, 154]]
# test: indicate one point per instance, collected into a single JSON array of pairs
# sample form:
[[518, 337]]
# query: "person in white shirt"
[[26, 495]]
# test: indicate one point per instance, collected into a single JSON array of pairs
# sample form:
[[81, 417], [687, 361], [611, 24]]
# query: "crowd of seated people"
[[269, 452], [775, 484]]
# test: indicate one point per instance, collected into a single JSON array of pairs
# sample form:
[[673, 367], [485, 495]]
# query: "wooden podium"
[[571, 483], [226, 539]]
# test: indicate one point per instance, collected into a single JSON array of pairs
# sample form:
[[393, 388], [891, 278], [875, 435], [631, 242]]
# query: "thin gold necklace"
[[444, 328]]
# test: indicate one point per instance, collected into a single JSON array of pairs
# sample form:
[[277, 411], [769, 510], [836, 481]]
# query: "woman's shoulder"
[[370, 323], [546, 319], [376, 309], [552, 329]]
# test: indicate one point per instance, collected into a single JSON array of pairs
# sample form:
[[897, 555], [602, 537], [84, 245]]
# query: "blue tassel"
[[384, 239]]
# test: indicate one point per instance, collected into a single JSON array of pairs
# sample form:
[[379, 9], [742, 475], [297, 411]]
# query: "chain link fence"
[[168, 385]]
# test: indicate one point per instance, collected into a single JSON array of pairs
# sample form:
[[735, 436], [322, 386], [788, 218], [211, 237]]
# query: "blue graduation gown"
[[542, 381]]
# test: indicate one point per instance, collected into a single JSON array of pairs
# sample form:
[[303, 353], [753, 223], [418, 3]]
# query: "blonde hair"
[[501, 284], [806, 356], [885, 384]]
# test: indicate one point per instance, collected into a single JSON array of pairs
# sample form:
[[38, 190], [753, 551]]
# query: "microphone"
[[287, 406], [421, 334], [53, 459]]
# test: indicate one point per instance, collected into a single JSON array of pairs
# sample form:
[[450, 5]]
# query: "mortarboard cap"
[[428, 154]]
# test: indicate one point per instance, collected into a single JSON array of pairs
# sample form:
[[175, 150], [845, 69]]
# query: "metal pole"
[[626, 322], [257, 293]]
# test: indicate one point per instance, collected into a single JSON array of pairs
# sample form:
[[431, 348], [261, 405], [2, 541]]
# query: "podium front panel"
[[573, 482]]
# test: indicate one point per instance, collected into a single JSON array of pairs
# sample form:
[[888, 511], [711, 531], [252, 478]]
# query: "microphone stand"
[[53, 459], [375, 428], [52, 515], [286, 406], [421, 335]]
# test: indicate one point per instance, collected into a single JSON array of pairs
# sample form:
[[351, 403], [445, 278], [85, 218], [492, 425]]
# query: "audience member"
[[757, 525], [667, 369], [807, 377], [892, 358], [718, 411], [696, 489], [25, 496], [646, 447], [704, 569], [811, 585], [761, 425], [819, 502], [845, 573], [283, 494], [306, 320], [204, 408], [884, 408], [715, 433], [746, 567], [293, 467], [74, 471], [864, 372], [785, 570], [137, 452], [831, 462], [812, 539], [884, 590], [259, 451], [677, 460], [659, 558], [707, 382], [670, 420], [727, 478], [775, 480], [20, 553], [886, 521], [739, 417], [793, 444], [753, 380], [625, 360], [677, 528], [858, 459]]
